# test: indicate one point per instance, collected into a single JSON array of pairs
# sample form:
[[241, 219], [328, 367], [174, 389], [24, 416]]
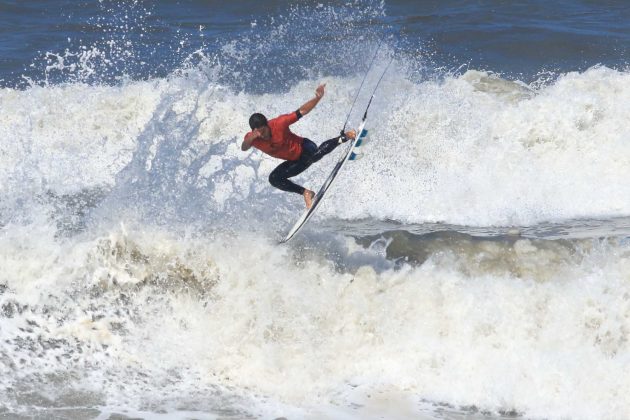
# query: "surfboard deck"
[[360, 139]]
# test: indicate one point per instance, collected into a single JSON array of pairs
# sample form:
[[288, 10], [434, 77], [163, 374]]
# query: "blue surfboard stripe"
[[361, 139]]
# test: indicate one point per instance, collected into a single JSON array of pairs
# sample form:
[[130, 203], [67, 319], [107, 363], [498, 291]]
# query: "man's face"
[[265, 132]]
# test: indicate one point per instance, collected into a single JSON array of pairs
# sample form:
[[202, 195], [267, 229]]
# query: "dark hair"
[[257, 120]]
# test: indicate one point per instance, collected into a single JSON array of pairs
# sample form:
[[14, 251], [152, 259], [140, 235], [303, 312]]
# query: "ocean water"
[[474, 264]]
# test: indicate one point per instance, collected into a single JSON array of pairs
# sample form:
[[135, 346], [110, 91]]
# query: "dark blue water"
[[274, 43], [519, 37]]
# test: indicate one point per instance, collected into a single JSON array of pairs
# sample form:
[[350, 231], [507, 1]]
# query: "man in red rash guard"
[[274, 138]]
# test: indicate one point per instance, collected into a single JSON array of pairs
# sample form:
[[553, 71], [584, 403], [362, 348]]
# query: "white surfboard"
[[348, 155], [360, 139]]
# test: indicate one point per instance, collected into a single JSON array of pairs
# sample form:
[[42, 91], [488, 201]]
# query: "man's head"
[[258, 122]]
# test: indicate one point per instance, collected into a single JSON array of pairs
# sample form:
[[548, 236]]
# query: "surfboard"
[[349, 154]]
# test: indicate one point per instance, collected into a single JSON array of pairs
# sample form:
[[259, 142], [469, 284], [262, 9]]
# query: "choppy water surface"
[[473, 264]]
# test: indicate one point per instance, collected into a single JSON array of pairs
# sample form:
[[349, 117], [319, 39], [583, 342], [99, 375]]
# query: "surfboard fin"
[[363, 138]]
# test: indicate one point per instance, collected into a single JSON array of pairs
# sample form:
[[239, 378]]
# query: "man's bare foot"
[[348, 135], [308, 198]]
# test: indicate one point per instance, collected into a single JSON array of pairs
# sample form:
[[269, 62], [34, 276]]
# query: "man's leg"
[[330, 145], [278, 178], [324, 148], [290, 168]]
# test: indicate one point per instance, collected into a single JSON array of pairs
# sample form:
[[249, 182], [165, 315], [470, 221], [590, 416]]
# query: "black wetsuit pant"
[[290, 168]]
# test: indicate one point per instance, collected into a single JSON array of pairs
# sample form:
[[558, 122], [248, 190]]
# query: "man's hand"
[[253, 135], [249, 139], [308, 106], [319, 92]]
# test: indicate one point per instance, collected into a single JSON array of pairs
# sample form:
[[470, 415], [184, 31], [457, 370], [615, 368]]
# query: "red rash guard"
[[283, 144]]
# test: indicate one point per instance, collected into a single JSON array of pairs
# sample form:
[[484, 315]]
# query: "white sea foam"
[[471, 150], [464, 153], [540, 328], [143, 320]]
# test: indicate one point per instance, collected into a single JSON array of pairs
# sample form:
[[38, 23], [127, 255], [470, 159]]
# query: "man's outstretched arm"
[[308, 106]]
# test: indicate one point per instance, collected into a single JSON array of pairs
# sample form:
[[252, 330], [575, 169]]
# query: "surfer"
[[274, 138]]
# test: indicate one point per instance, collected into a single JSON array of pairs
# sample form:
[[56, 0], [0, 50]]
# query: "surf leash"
[[378, 83], [378, 48], [376, 88]]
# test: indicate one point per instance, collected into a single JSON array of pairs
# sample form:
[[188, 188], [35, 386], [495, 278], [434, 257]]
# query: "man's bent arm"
[[249, 139]]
